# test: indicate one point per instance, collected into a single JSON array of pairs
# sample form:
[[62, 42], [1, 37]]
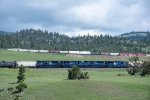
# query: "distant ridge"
[[134, 42], [139, 35], [4, 32]]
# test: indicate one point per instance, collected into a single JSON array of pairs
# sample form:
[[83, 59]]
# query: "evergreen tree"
[[21, 76]]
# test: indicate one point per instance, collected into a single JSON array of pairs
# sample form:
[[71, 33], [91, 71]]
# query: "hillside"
[[4, 32], [137, 35], [38, 39]]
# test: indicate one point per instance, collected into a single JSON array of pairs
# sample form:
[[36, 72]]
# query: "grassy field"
[[51, 84], [15, 56]]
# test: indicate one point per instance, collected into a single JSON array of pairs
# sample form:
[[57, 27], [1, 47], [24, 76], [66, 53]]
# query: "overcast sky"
[[74, 17]]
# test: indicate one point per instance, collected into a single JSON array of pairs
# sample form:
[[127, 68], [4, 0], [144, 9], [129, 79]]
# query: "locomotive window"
[[96, 62], [71, 62], [50, 63]]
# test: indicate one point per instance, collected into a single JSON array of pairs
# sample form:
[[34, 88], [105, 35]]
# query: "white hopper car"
[[26, 63]]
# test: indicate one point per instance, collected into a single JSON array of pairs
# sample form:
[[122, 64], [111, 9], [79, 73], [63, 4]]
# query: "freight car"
[[26, 63]]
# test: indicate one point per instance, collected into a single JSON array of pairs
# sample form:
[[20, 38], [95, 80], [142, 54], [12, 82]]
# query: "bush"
[[142, 68], [145, 68], [133, 66], [75, 73], [132, 70], [129, 70], [84, 75]]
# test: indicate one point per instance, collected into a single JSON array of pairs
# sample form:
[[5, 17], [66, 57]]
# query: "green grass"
[[15, 56], [104, 84]]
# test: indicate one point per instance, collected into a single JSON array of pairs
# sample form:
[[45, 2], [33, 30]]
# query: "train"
[[64, 64], [78, 52]]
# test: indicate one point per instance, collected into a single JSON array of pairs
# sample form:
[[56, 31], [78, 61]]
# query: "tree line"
[[38, 39]]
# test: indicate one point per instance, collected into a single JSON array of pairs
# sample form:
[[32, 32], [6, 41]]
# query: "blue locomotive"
[[81, 64]]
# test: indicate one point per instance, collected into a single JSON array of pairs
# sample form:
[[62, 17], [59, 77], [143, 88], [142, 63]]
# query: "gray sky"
[[74, 17]]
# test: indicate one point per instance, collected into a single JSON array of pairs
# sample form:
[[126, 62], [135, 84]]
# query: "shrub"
[[131, 69], [84, 75], [145, 68], [142, 68], [81, 75], [133, 66], [75, 73]]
